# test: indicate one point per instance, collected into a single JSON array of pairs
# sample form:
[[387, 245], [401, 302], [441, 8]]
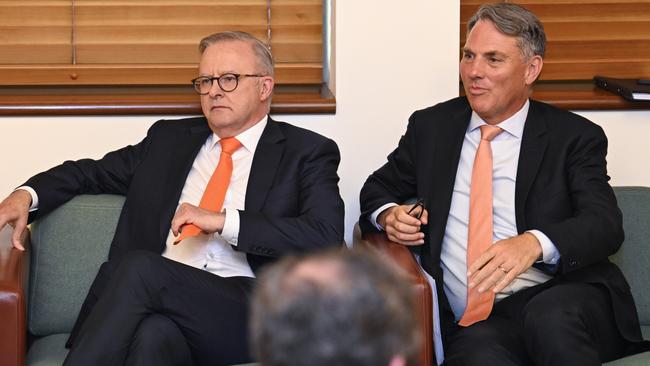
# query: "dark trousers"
[[158, 311], [549, 324]]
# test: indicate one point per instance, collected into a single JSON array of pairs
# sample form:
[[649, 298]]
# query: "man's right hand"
[[402, 227], [14, 210]]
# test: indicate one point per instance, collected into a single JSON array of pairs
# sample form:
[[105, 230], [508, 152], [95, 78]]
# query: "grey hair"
[[360, 313], [514, 20], [261, 50]]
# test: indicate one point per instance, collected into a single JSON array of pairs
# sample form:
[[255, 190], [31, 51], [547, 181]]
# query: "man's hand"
[[503, 262], [14, 210], [402, 227], [208, 221]]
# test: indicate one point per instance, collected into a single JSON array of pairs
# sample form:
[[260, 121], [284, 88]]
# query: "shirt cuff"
[[32, 193], [373, 217], [550, 254], [230, 231]]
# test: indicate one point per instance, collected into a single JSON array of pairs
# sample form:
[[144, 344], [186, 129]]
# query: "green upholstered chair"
[[42, 289], [634, 259]]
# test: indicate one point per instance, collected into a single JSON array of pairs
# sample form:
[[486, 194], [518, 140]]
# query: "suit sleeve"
[[595, 230], [395, 181], [319, 218], [110, 175]]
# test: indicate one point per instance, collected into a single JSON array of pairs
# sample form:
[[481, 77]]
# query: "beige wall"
[[390, 60]]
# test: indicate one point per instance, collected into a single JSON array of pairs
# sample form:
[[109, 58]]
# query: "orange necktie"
[[479, 305], [215, 191]]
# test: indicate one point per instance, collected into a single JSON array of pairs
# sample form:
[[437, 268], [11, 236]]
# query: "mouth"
[[476, 90], [218, 107]]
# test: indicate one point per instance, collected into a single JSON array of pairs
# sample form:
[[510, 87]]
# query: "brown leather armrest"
[[423, 295], [14, 271]]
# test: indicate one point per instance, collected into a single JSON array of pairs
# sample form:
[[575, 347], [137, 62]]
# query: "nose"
[[215, 90], [476, 68]]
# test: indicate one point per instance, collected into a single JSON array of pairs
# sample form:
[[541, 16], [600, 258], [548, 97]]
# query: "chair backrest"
[[68, 246], [634, 256]]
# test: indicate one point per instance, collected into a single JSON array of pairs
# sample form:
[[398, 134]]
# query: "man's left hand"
[[208, 221], [504, 260]]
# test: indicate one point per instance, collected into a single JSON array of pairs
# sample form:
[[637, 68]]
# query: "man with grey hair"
[[517, 217], [340, 307], [218, 196]]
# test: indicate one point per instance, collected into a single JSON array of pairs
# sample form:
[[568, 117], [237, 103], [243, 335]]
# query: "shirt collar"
[[513, 125], [248, 138]]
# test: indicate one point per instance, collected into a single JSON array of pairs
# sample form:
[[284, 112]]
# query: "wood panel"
[[129, 74], [26, 100]]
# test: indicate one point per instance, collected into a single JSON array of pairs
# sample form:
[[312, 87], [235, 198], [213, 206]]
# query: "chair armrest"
[[404, 259], [14, 272]]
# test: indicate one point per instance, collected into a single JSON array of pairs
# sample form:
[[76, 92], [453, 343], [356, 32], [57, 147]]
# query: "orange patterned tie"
[[215, 191], [479, 305]]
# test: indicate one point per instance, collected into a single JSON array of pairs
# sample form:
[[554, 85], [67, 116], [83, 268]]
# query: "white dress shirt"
[[213, 252], [453, 257]]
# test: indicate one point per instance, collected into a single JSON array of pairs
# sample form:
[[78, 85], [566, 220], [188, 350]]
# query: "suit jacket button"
[[573, 263]]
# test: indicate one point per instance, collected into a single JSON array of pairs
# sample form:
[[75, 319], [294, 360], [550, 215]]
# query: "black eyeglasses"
[[420, 204], [227, 82]]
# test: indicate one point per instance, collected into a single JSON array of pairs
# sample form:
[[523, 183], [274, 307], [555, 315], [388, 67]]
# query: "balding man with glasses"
[[218, 196]]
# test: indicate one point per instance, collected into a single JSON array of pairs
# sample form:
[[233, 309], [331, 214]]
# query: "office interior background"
[[387, 59]]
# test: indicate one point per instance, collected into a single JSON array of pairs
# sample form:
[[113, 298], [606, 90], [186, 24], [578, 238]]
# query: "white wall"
[[391, 58]]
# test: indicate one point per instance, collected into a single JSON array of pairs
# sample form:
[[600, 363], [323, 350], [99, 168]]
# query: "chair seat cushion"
[[48, 351], [641, 359]]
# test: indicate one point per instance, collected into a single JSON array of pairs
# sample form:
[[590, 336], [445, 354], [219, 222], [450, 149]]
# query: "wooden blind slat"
[[588, 37], [35, 32]]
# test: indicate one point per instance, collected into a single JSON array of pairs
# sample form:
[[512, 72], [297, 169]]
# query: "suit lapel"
[[449, 142], [533, 146], [181, 159], [267, 157]]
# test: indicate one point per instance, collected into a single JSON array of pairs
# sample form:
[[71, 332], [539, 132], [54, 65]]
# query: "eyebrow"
[[223, 73], [487, 54]]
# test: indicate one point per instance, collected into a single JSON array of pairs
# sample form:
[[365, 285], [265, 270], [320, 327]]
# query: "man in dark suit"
[[189, 306], [541, 289]]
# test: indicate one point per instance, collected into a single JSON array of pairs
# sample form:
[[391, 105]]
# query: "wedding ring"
[[503, 269]]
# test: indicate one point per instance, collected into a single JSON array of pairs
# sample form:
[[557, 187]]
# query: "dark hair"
[[358, 311], [261, 50], [514, 20]]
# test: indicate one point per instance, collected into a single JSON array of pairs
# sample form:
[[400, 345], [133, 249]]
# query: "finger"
[[405, 242], [424, 219], [507, 279], [406, 237], [17, 235], [406, 228], [177, 222], [480, 262], [481, 274], [488, 283], [404, 217]]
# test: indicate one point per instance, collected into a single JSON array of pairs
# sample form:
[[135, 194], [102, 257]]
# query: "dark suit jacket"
[[292, 198], [562, 190]]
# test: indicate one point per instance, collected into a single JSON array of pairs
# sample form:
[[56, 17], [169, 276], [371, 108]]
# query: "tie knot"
[[229, 145], [489, 132]]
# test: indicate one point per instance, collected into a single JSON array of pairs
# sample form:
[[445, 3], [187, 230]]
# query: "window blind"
[[149, 42]]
